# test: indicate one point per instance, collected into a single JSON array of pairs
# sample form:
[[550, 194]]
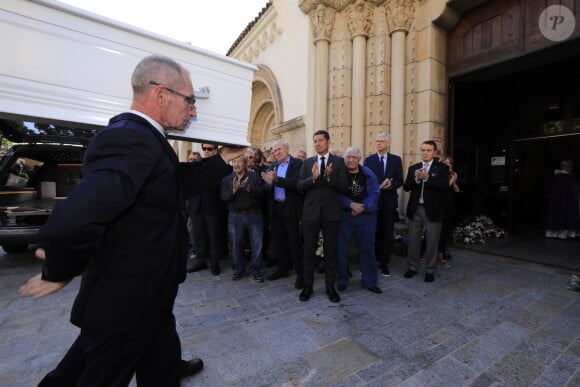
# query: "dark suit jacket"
[[122, 229], [293, 204], [433, 193], [323, 191], [389, 197], [203, 195]]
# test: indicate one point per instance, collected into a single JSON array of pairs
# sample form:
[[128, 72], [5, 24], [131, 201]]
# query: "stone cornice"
[[359, 18], [322, 20], [307, 6], [287, 126], [399, 14], [262, 34]]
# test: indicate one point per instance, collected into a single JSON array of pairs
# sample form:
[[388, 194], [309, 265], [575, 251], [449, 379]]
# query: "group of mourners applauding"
[[279, 209]]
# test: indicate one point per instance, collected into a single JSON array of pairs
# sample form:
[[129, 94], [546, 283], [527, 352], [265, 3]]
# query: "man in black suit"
[[207, 211], [322, 179], [388, 169], [285, 205], [123, 229], [428, 181]]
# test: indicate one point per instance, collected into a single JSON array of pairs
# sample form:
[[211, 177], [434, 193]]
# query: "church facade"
[[490, 81]]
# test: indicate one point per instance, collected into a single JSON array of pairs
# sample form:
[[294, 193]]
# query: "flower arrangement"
[[400, 242], [475, 230]]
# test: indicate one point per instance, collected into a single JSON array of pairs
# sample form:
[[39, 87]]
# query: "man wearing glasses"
[[208, 212], [123, 230]]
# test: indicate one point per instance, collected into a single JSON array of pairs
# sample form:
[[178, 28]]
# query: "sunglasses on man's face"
[[207, 148]]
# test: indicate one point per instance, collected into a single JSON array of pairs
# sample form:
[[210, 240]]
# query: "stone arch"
[[266, 110]]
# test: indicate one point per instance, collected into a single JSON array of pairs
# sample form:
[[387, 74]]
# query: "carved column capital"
[[359, 18], [322, 19], [399, 14]]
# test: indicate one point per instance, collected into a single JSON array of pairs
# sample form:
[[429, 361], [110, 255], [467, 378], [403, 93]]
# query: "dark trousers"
[[285, 233], [153, 354], [384, 236], [210, 237], [330, 235]]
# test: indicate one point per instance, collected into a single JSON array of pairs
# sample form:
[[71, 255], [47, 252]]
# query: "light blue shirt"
[[279, 192]]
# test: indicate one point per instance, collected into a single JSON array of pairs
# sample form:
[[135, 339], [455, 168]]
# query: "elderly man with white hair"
[[359, 204]]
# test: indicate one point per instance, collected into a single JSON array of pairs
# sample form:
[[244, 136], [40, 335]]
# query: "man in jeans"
[[242, 191]]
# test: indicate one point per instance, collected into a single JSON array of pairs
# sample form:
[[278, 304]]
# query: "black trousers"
[[285, 232], [153, 354], [210, 237], [330, 235], [384, 236]]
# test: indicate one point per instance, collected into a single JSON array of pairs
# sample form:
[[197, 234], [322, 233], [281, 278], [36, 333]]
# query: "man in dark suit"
[[123, 229], [428, 181], [285, 207], [322, 179], [388, 169], [207, 211]]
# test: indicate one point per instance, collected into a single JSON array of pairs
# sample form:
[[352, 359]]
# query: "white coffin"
[[69, 65]]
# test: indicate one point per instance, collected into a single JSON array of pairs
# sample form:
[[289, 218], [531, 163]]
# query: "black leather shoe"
[[277, 275], [429, 277], [341, 287], [410, 273], [215, 270], [306, 293], [332, 294], [299, 284], [190, 367], [375, 289], [197, 266]]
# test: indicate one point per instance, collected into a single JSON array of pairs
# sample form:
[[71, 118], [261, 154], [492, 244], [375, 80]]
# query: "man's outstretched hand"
[[36, 287]]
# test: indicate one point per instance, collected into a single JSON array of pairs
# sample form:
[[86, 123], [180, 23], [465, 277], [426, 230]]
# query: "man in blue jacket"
[[360, 218], [123, 230]]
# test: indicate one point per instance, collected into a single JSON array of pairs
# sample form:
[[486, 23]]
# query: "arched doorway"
[[266, 109]]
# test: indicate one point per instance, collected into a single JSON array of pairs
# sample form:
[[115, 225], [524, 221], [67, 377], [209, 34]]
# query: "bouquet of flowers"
[[475, 230]]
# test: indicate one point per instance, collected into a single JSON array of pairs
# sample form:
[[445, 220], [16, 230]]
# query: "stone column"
[[359, 24], [399, 18], [322, 19]]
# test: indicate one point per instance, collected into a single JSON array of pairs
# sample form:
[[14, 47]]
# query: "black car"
[[42, 166]]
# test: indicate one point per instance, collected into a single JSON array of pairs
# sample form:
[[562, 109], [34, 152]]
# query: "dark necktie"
[[322, 166], [383, 166]]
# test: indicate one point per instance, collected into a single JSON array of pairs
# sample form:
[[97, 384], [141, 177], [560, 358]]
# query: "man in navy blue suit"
[[388, 169], [123, 230]]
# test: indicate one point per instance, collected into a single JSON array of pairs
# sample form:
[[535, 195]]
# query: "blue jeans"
[[363, 228], [237, 224]]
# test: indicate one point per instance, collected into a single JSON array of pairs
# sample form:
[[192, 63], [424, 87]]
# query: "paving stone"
[[559, 372], [447, 372], [475, 356], [516, 369], [340, 359], [538, 351], [487, 380], [502, 338]]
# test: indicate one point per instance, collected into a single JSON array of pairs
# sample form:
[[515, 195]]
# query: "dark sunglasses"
[[190, 100], [207, 148]]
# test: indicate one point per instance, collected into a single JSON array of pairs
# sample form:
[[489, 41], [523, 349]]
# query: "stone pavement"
[[487, 321]]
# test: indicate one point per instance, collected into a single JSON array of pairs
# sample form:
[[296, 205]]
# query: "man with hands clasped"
[[285, 208], [427, 181], [359, 219], [242, 190], [388, 169], [322, 179]]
